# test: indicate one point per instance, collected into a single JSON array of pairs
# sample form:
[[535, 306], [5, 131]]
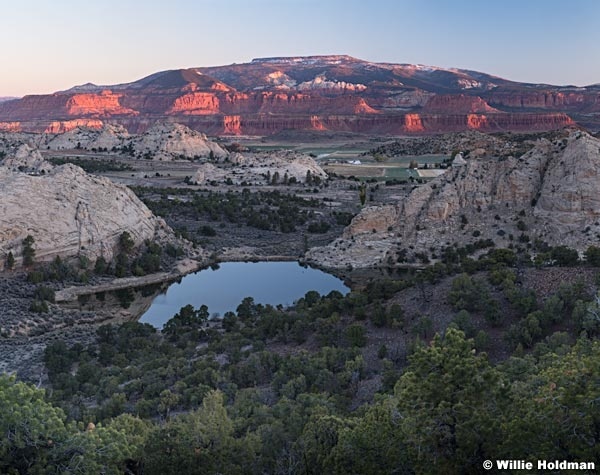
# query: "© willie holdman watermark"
[[538, 464]]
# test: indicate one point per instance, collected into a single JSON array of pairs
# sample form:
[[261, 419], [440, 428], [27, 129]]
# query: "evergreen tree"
[[10, 260], [126, 243], [275, 178], [28, 250], [450, 406], [308, 179], [362, 194]]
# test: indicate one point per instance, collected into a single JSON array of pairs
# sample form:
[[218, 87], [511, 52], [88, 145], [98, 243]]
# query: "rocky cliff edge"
[[550, 194]]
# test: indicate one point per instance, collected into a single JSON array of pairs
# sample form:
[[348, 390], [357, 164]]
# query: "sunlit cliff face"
[[457, 104], [316, 123], [10, 127], [196, 103], [104, 104], [60, 127], [413, 123], [232, 125], [309, 93], [477, 122]]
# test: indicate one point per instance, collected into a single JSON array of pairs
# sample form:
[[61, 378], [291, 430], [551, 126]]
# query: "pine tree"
[[10, 260], [362, 194], [275, 178], [28, 250]]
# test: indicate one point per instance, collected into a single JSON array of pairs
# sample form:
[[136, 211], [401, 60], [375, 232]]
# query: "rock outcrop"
[[550, 194], [87, 138], [162, 141], [60, 127], [24, 158], [67, 211], [169, 141], [337, 93], [104, 104], [261, 168]]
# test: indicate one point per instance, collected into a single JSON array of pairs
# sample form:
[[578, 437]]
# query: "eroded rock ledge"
[[551, 193]]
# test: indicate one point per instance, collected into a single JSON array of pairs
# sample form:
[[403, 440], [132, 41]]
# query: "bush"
[[482, 340], [564, 256], [44, 293], [396, 315], [38, 306], [35, 277], [126, 242], [208, 231], [502, 256], [318, 228], [173, 251], [467, 294], [463, 322], [379, 316], [101, 265], [592, 256], [356, 335], [492, 312]]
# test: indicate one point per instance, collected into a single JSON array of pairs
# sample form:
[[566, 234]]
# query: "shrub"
[[44, 293], [564, 256], [592, 256], [463, 321], [318, 228], [101, 265], [356, 335], [467, 293], [38, 306], [208, 231]]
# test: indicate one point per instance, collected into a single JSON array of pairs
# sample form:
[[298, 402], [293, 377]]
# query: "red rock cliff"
[[105, 104], [316, 93]]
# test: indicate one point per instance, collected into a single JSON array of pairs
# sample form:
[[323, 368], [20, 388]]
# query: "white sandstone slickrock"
[[108, 136], [553, 190], [26, 159], [162, 141], [168, 141], [254, 168], [69, 213]]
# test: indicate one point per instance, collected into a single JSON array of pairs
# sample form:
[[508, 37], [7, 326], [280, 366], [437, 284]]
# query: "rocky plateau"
[[321, 93]]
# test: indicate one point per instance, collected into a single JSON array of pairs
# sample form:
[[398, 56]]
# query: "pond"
[[222, 289]]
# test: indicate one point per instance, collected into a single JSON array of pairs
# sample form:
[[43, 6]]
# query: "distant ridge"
[[329, 59], [318, 93]]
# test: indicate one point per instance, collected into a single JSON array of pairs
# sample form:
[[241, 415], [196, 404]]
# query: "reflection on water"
[[223, 289]]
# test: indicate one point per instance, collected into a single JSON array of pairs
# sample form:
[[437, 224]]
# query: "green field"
[[372, 170], [419, 159], [400, 173]]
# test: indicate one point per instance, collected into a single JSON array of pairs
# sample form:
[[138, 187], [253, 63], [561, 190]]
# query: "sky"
[[49, 46]]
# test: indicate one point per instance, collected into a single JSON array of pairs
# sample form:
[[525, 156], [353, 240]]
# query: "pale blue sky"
[[53, 45]]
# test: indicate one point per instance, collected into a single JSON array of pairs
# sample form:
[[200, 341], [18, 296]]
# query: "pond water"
[[223, 289]]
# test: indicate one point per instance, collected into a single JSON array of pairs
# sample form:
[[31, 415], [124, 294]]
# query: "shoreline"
[[182, 268], [189, 266]]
